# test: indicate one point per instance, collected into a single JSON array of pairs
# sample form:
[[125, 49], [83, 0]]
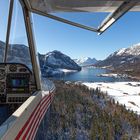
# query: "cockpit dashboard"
[[16, 83]]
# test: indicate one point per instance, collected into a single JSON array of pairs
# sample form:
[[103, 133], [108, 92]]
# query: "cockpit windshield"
[[17, 80], [18, 50]]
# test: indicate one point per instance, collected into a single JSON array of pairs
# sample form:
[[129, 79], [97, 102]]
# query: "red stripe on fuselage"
[[52, 95], [39, 121], [35, 117], [28, 121]]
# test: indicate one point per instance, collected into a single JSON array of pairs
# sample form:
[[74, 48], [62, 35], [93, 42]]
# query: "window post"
[[8, 30], [32, 46]]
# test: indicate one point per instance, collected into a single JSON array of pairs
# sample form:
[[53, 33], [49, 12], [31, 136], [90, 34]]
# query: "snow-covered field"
[[127, 93], [113, 75], [67, 71]]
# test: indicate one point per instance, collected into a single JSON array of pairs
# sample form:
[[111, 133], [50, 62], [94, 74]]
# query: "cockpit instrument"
[[16, 83]]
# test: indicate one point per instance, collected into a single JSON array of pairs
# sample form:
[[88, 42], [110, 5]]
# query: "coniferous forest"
[[78, 113]]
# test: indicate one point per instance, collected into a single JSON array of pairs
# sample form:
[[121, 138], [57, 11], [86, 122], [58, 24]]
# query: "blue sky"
[[78, 42], [52, 35]]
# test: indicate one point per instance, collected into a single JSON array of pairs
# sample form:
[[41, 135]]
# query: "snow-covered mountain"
[[133, 50], [51, 63], [125, 59], [17, 53], [56, 62], [85, 61]]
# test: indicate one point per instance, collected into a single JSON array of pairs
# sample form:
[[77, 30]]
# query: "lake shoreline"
[[116, 74], [90, 74]]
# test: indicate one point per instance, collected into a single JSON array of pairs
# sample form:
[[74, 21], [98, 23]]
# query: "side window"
[[4, 6], [18, 44]]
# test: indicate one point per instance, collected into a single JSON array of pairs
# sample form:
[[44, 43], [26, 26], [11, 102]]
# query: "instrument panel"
[[16, 83]]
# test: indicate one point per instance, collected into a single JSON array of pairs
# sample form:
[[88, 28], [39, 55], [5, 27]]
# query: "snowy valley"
[[125, 93]]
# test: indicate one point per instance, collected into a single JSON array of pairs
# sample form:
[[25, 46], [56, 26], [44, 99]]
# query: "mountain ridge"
[[125, 60], [85, 61], [54, 63]]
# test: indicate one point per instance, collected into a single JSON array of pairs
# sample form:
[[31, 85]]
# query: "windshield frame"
[[30, 38]]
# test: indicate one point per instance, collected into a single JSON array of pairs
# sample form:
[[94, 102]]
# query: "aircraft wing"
[[113, 9]]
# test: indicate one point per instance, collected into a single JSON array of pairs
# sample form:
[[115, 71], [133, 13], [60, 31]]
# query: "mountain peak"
[[121, 51], [56, 51], [85, 61], [57, 59]]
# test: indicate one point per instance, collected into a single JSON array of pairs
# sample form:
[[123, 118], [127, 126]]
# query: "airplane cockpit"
[[17, 83], [22, 88], [17, 80], [18, 68]]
